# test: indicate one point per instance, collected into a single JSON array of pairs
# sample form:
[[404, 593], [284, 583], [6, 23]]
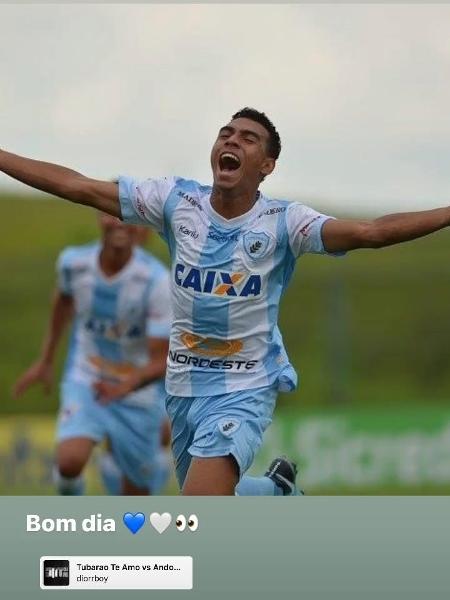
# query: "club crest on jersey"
[[256, 244], [218, 283]]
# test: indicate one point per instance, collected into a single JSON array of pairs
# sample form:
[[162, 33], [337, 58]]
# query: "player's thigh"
[[72, 454], [80, 415], [80, 425], [217, 476], [134, 434]]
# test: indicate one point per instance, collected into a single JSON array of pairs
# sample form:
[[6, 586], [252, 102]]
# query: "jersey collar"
[[236, 221]]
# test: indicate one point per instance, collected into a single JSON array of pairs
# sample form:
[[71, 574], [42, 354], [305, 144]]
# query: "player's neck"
[[233, 203], [113, 260]]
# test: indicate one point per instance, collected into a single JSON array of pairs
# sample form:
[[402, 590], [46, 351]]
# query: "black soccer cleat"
[[283, 473]]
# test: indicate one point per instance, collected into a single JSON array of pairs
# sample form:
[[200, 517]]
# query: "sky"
[[359, 93]]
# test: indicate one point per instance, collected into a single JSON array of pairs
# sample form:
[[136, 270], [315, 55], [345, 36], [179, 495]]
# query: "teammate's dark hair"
[[274, 146]]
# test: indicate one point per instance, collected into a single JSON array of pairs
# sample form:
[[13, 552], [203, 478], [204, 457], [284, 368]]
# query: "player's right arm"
[[41, 371], [62, 182]]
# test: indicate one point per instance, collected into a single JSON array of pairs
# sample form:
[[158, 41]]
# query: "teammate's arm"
[[62, 182], [42, 370], [158, 349], [342, 235]]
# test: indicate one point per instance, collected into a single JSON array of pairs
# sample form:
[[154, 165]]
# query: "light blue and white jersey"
[[114, 316], [227, 278]]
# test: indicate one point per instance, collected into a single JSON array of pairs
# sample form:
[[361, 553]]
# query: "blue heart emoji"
[[134, 522]]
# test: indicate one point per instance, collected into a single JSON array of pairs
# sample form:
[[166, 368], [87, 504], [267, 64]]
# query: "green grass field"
[[367, 331]]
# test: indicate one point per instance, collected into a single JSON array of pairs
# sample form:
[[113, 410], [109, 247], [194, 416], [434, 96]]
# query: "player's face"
[[239, 155], [115, 233]]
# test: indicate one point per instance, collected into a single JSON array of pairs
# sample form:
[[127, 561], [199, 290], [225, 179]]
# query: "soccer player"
[[233, 252], [118, 297]]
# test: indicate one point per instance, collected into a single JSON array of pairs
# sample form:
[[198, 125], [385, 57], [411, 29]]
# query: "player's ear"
[[267, 167]]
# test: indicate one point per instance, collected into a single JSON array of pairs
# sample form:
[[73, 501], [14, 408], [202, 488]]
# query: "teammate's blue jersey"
[[114, 316], [227, 278]]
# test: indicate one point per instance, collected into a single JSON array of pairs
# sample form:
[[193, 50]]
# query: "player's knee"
[[72, 455], [70, 466]]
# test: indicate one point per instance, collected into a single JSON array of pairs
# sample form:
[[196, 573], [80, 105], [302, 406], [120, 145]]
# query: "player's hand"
[[39, 372], [109, 392]]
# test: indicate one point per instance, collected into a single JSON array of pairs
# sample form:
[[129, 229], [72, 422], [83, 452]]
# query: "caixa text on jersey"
[[218, 283]]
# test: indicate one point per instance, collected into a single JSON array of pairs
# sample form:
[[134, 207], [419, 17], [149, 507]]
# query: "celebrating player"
[[118, 297], [233, 252]]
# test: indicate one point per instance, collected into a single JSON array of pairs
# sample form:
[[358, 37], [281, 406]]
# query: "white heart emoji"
[[160, 522]]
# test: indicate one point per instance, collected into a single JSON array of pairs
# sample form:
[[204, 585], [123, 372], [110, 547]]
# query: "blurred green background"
[[368, 333]]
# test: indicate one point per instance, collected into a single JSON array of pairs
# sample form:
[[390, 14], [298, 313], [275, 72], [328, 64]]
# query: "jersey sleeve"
[[159, 315], [64, 273], [304, 225], [142, 202]]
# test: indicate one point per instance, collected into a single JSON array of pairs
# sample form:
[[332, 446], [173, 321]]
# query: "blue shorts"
[[210, 426], [134, 432]]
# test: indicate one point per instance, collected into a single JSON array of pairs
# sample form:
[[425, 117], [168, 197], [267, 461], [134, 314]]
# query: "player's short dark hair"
[[274, 146]]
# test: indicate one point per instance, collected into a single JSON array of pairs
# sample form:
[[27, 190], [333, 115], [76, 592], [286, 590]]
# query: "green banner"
[[384, 451], [354, 450]]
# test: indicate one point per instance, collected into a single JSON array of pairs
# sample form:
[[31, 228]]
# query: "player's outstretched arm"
[[62, 182], [41, 371], [342, 235]]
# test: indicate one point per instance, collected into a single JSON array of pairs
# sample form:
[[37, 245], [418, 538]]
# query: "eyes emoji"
[[181, 522], [192, 522]]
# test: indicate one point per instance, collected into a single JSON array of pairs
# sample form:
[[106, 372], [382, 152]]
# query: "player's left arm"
[[155, 369], [339, 235], [158, 348]]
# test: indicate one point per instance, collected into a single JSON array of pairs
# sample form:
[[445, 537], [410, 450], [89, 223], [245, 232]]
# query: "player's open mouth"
[[229, 162]]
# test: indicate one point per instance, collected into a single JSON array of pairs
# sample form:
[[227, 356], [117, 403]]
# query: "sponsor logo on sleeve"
[[192, 201], [140, 207], [273, 211], [305, 230]]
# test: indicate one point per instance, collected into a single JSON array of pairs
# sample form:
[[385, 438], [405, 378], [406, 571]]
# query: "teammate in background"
[[233, 252], [109, 470], [117, 295]]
